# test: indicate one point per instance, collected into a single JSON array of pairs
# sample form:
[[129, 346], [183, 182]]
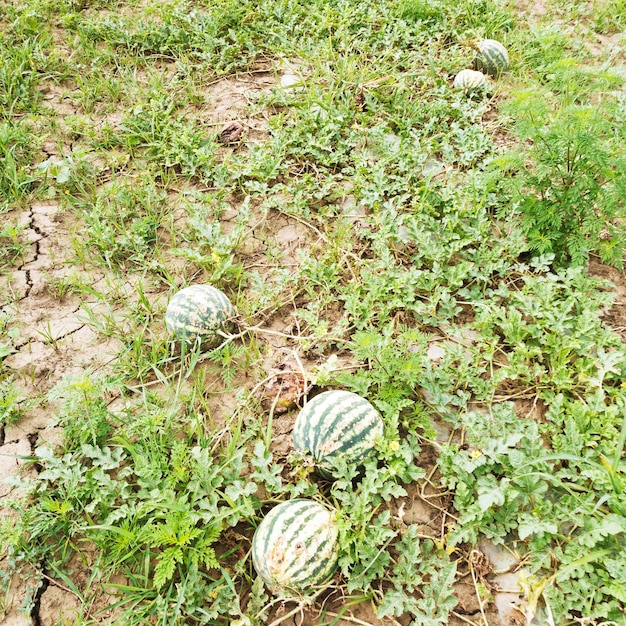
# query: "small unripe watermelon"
[[197, 312], [337, 426], [492, 57], [295, 547], [470, 81]]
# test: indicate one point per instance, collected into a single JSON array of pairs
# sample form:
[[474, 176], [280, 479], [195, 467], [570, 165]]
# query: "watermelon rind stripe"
[[337, 425], [364, 430], [197, 311], [303, 523], [493, 57], [325, 568], [312, 416], [470, 80], [345, 412], [372, 431], [346, 415], [336, 404]]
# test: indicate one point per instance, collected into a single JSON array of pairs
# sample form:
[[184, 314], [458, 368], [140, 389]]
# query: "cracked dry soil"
[[56, 340]]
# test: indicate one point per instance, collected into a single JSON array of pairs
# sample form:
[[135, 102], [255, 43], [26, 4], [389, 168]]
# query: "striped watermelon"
[[492, 58], [470, 81], [295, 548], [197, 312], [337, 426]]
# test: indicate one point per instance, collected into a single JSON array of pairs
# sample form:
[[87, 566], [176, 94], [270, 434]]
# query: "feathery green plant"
[[570, 184]]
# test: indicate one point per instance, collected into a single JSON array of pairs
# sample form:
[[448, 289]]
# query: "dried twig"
[[472, 554]]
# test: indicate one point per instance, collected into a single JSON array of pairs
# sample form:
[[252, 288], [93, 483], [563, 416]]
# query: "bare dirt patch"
[[233, 98], [54, 338], [615, 316]]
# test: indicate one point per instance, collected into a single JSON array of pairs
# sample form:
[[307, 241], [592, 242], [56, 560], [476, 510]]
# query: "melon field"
[[417, 205]]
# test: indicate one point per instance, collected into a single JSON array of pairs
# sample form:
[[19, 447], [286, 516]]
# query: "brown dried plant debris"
[[231, 133], [284, 388]]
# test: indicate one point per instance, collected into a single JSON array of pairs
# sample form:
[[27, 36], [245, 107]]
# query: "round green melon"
[[336, 427], [470, 81], [295, 547], [197, 313], [492, 57]]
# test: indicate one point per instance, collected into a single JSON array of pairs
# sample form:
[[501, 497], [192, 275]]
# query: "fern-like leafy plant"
[[570, 175]]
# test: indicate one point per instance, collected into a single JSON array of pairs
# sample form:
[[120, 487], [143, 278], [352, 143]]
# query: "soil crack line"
[[45, 583], [29, 283], [64, 335], [18, 347], [33, 226], [33, 438], [23, 267], [47, 341]]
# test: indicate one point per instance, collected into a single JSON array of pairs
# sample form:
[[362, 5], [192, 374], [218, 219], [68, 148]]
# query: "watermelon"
[[337, 426], [492, 57], [470, 81], [295, 547], [196, 313]]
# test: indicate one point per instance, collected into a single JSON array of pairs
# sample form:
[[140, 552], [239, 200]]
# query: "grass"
[[370, 214]]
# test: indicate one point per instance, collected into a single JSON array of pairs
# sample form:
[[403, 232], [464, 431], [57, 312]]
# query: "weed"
[[12, 405], [19, 75], [610, 17], [169, 488], [9, 333], [212, 250], [420, 567], [123, 219], [17, 146], [12, 246], [570, 188]]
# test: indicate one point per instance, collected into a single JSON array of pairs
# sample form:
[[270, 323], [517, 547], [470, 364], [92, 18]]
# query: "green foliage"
[[12, 246], [165, 136], [207, 36], [71, 174], [12, 404], [85, 418], [422, 579], [548, 328], [372, 550], [21, 64], [506, 483], [17, 145], [488, 492], [570, 186], [421, 11], [144, 493], [372, 226], [609, 17], [124, 219], [393, 365], [181, 542], [207, 246], [9, 333]]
